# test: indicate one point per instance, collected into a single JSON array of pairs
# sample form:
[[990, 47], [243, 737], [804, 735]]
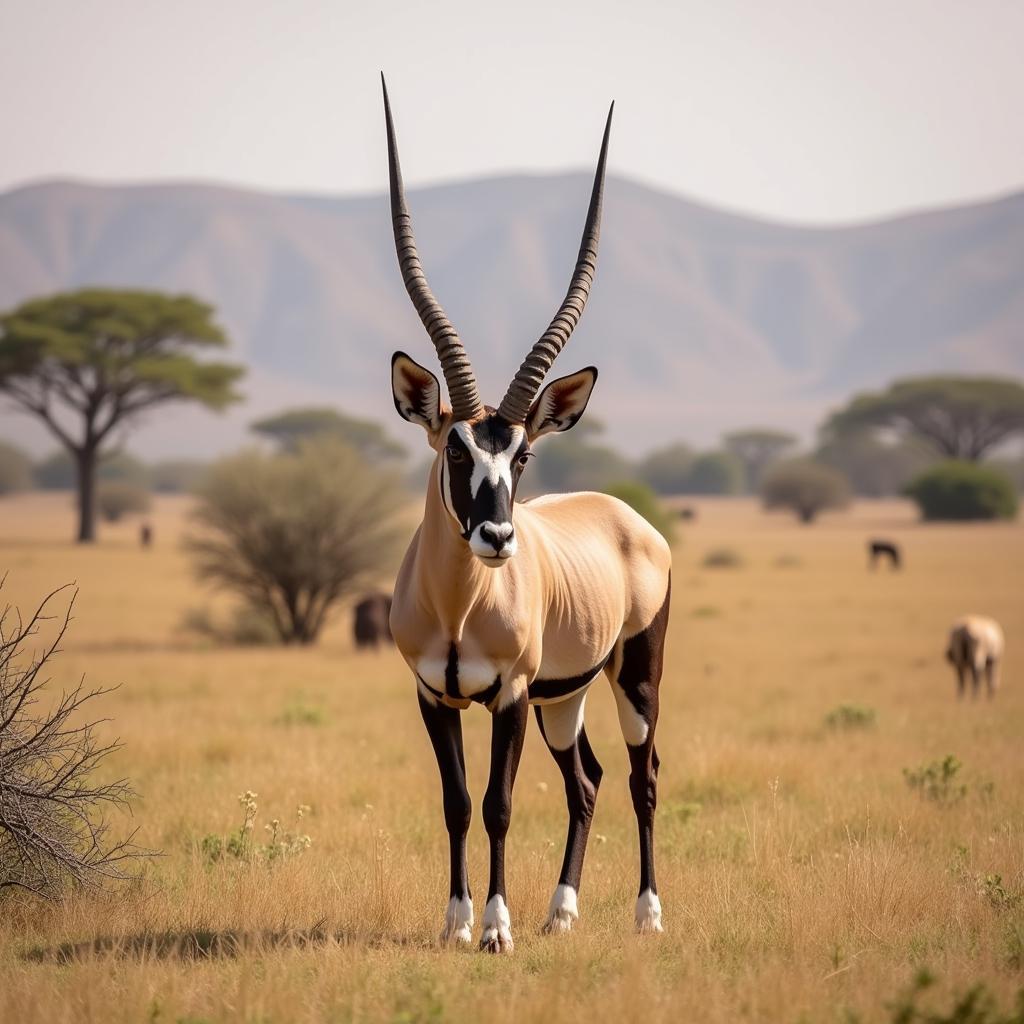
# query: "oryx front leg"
[[562, 727], [507, 735], [444, 726]]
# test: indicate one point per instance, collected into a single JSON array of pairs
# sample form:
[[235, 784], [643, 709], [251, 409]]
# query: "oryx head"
[[482, 451]]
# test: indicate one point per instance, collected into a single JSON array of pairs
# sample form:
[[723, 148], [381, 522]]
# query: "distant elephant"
[[371, 623], [975, 646]]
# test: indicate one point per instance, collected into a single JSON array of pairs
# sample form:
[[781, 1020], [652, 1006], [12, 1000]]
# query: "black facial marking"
[[492, 503], [492, 435]]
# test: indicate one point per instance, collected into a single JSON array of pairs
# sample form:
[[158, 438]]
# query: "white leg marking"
[[562, 912], [497, 934], [458, 921], [648, 912], [563, 721], [634, 726]]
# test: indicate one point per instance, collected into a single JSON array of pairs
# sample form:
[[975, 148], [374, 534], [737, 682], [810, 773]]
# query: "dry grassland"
[[802, 879]]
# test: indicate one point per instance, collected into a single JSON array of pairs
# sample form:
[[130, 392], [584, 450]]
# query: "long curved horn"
[[524, 387], [458, 373]]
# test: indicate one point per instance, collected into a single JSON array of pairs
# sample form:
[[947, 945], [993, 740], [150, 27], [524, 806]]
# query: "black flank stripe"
[[547, 689], [486, 696], [437, 693]]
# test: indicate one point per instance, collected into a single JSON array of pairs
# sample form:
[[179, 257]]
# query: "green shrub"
[[848, 717], [716, 473], [57, 472], [247, 627], [937, 780], [723, 558], [667, 469], [642, 499], [804, 487], [281, 843], [963, 490], [118, 498], [15, 469], [176, 476]]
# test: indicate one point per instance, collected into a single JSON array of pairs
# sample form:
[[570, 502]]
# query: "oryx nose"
[[496, 534]]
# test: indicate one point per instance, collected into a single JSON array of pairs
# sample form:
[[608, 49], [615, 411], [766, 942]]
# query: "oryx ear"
[[561, 403], [416, 392]]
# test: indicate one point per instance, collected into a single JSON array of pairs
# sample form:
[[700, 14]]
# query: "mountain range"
[[700, 320]]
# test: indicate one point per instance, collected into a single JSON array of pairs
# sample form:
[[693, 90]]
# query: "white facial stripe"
[[446, 492], [492, 468]]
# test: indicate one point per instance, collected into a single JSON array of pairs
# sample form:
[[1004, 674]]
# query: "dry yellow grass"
[[801, 877]]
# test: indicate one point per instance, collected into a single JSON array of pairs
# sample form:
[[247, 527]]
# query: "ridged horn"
[[458, 373], [524, 387]]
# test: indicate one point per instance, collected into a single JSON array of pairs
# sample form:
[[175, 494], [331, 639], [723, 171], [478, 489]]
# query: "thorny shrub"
[[53, 829]]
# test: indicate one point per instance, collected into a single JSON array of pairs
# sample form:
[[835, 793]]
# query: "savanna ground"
[[802, 878]]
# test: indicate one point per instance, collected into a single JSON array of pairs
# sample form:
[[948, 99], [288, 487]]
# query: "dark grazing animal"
[[883, 549], [371, 626]]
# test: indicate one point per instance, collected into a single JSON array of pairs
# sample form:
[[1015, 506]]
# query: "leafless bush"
[[52, 826]]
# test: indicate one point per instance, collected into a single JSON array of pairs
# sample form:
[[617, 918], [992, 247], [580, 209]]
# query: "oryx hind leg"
[[562, 727], [636, 675]]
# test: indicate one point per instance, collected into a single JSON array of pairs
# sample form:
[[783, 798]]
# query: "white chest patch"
[[472, 676]]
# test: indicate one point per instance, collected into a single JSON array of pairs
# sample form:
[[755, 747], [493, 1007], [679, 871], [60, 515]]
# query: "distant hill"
[[700, 320]]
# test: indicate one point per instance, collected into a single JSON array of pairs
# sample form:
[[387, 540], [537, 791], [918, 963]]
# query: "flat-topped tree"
[[88, 361], [959, 417], [757, 448], [294, 426]]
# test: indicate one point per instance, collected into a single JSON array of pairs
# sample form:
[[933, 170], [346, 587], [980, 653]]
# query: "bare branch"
[[52, 826]]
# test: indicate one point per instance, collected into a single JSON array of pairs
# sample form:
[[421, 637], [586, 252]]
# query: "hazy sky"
[[800, 109]]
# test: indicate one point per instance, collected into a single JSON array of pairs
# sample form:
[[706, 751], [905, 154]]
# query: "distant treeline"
[[578, 460], [878, 443]]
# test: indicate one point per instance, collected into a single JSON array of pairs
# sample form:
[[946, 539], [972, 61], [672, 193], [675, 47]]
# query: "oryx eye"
[[453, 453], [523, 459]]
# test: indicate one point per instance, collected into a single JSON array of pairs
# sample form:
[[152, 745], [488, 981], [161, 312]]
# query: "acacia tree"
[[958, 417], [88, 361], [290, 428], [757, 448]]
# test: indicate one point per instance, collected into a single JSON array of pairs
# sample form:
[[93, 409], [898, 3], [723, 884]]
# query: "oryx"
[[507, 604], [975, 645]]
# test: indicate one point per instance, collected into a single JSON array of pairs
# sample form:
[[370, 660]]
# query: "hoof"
[[563, 912], [461, 936], [458, 923], [648, 913], [493, 941], [497, 934]]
